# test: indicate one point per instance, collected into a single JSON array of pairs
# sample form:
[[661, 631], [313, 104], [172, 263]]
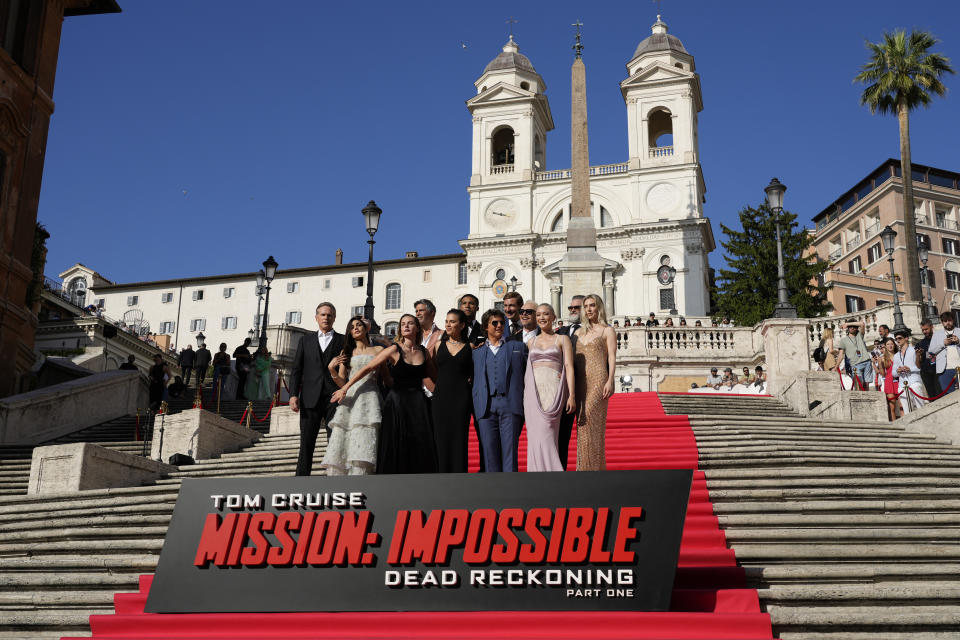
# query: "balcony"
[[950, 225], [500, 169], [564, 174], [835, 254], [660, 152], [873, 228], [853, 242]]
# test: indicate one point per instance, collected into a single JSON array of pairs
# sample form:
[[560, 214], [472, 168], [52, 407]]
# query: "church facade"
[[647, 210]]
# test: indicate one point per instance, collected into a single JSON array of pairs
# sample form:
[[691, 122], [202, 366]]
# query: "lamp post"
[[783, 308], [269, 271], [889, 236], [513, 283], [201, 339], [924, 253], [258, 291], [371, 216], [626, 383]]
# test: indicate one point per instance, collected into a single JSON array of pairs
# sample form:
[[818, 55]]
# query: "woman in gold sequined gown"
[[594, 363]]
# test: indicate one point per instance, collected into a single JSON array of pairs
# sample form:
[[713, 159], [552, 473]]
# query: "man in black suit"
[[311, 384], [528, 323], [511, 309], [566, 419], [469, 304]]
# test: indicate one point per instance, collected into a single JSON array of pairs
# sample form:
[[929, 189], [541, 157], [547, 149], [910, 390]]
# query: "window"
[[941, 219], [880, 302], [855, 265], [133, 301], [198, 294], [100, 302], [228, 322], [198, 324], [502, 143], [501, 274], [326, 283], [928, 273], [357, 281], [874, 253], [951, 246], [427, 275], [462, 273], [923, 240], [293, 287], [666, 298], [356, 311], [228, 292], [393, 296], [166, 327], [953, 280], [166, 297], [293, 317], [390, 329], [606, 220], [854, 304]]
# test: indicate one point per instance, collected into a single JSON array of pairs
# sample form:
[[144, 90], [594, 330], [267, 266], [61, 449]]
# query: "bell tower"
[[663, 99]]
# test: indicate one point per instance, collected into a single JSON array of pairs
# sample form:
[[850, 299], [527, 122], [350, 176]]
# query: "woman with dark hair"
[[406, 435], [452, 402], [355, 427], [257, 385]]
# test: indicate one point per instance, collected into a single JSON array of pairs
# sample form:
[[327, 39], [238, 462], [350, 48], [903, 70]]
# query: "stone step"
[[853, 573], [820, 520], [59, 523], [752, 553], [786, 459], [129, 562], [840, 594], [131, 528], [839, 535], [861, 635], [50, 580], [726, 495], [836, 506], [56, 599], [99, 547], [840, 473], [902, 482], [59, 619], [881, 617]]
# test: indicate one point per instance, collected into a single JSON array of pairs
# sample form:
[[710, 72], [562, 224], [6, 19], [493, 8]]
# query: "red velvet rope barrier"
[[936, 397], [254, 416]]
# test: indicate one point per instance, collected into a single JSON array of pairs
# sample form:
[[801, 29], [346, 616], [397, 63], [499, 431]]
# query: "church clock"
[[501, 214]]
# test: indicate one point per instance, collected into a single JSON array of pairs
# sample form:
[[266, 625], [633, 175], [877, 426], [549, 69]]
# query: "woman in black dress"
[[406, 435], [452, 402]]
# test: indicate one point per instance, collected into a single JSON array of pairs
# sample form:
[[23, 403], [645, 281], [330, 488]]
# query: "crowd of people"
[[754, 382], [652, 321], [909, 372], [405, 406]]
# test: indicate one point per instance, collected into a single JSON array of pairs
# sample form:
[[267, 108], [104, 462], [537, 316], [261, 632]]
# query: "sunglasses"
[[571, 308], [527, 312], [496, 323]]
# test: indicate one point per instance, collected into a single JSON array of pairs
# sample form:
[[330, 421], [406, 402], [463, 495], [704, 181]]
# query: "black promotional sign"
[[604, 540]]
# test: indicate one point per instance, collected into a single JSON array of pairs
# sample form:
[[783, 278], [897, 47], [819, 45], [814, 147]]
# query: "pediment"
[[657, 72], [500, 92]]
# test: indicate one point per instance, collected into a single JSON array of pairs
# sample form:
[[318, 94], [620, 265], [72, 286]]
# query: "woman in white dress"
[[352, 449]]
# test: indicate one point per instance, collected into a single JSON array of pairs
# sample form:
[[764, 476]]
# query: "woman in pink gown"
[[547, 392]]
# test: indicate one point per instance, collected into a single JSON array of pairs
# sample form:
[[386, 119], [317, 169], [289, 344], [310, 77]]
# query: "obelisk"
[[582, 267]]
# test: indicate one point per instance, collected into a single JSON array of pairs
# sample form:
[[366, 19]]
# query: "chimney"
[[412, 254], [339, 256]]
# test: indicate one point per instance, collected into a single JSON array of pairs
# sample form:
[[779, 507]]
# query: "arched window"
[[77, 290], [390, 329], [393, 296], [525, 86], [606, 220], [660, 130], [559, 222], [503, 146]]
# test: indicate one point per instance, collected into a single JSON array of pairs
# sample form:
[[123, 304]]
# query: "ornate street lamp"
[[201, 339], [371, 215], [924, 254], [258, 291], [889, 236], [269, 271], [626, 382], [783, 308], [513, 283]]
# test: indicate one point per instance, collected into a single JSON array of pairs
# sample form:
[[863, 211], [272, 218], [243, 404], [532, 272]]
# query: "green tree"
[[747, 289], [901, 75]]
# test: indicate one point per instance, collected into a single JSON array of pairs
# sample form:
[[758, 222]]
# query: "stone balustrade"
[[598, 170]]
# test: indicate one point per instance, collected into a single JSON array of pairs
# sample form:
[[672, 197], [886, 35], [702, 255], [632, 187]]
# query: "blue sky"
[[281, 124]]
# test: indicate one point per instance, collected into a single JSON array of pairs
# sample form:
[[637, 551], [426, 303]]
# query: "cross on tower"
[[512, 21], [578, 47], [659, 4]]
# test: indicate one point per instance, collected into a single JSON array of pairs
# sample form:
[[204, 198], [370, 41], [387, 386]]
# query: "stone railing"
[[872, 319], [564, 174], [853, 242], [696, 343], [660, 152], [96, 353], [499, 169]]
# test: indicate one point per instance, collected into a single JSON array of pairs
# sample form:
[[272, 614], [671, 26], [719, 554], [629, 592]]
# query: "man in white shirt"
[[907, 374], [945, 346], [426, 311], [528, 323], [714, 379]]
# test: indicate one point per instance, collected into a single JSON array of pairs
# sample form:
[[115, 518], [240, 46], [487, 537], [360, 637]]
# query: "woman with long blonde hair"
[[595, 360], [829, 350]]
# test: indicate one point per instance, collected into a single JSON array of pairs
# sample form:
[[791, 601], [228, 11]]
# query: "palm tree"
[[901, 75]]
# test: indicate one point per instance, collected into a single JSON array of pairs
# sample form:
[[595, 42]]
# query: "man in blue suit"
[[498, 370]]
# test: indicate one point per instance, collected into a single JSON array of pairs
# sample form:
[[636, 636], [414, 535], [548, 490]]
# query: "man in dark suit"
[[498, 369], [528, 323], [311, 384], [469, 304], [566, 419], [511, 309]]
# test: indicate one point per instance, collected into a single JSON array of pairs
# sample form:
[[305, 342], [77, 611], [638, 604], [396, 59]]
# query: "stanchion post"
[[249, 412], [163, 416], [219, 391]]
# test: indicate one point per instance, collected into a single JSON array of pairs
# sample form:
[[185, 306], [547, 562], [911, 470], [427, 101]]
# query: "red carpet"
[[709, 601]]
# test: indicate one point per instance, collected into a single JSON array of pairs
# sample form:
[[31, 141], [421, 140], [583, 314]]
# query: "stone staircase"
[[847, 530]]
